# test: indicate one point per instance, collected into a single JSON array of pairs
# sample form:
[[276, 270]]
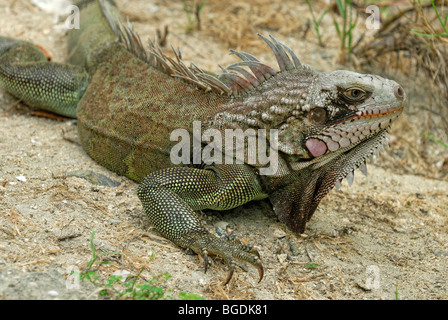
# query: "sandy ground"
[[383, 237]]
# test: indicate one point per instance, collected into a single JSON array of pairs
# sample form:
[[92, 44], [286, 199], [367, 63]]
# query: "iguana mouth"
[[345, 135], [362, 114]]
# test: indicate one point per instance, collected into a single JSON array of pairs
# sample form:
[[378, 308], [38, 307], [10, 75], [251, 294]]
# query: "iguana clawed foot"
[[207, 245]]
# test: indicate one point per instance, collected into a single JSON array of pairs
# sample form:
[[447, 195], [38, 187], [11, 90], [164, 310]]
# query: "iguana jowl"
[[128, 100]]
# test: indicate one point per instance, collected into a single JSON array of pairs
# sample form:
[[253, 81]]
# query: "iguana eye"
[[318, 115], [354, 93]]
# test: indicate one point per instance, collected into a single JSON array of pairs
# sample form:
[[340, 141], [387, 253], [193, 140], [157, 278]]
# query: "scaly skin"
[[128, 101]]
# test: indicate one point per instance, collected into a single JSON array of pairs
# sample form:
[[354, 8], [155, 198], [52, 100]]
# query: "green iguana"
[[128, 100]]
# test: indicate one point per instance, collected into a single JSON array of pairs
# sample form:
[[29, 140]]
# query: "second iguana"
[[128, 100]]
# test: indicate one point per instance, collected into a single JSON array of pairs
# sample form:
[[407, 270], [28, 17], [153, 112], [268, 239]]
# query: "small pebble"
[[53, 293], [278, 233], [21, 178]]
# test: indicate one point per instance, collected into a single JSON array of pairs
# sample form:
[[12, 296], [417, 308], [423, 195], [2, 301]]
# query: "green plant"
[[90, 274], [193, 11], [311, 266], [134, 288], [435, 140], [345, 31], [128, 287], [396, 292], [442, 21], [317, 22]]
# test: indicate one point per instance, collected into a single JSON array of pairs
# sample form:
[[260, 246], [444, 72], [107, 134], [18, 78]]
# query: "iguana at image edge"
[[128, 100]]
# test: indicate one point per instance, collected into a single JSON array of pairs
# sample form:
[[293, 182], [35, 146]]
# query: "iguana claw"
[[229, 276], [210, 245], [205, 256], [232, 269]]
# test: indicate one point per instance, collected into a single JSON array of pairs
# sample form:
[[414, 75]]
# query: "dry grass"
[[237, 23]]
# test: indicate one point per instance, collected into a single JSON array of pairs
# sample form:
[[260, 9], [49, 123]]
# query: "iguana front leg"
[[170, 197], [26, 73]]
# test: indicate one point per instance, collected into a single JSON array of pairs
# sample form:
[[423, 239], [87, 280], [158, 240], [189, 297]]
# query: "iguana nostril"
[[399, 92]]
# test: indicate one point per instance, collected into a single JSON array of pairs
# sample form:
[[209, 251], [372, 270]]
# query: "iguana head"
[[346, 108], [345, 117]]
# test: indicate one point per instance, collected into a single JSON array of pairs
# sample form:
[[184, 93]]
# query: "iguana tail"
[[95, 35], [26, 73]]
